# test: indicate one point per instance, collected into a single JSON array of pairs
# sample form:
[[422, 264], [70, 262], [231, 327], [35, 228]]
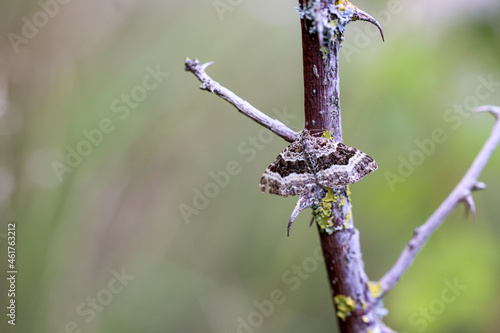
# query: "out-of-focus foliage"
[[228, 266]]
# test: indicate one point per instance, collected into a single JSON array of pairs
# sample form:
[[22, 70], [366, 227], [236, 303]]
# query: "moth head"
[[305, 132]]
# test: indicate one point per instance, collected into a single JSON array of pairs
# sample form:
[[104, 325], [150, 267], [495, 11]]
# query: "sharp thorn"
[[205, 65], [295, 213], [470, 206], [363, 16], [305, 201], [479, 186], [288, 229]]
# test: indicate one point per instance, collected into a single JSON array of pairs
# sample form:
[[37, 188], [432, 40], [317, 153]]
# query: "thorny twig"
[[462, 193], [243, 106]]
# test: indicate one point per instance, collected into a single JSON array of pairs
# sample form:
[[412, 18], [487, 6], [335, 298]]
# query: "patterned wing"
[[339, 165], [335, 164], [288, 174]]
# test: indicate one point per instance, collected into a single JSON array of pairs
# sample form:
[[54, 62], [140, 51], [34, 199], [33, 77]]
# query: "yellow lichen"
[[375, 289], [347, 219], [345, 305], [323, 211], [343, 4], [330, 196], [324, 51], [325, 223], [333, 23], [327, 135]]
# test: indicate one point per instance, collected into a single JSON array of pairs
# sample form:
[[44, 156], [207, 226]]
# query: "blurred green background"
[[117, 211]]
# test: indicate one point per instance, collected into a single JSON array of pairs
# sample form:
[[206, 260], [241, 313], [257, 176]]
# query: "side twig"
[[462, 193], [243, 106]]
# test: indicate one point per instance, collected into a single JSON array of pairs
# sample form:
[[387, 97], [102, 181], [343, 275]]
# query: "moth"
[[311, 163]]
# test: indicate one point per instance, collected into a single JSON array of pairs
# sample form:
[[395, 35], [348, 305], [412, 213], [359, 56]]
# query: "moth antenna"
[[317, 130], [298, 129]]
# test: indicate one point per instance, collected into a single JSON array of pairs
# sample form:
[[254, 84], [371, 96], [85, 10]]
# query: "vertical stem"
[[341, 249], [321, 84]]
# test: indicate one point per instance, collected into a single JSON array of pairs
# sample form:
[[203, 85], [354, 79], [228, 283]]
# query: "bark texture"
[[341, 249]]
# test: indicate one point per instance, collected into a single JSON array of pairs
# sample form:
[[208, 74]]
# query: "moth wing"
[[340, 165], [288, 174]]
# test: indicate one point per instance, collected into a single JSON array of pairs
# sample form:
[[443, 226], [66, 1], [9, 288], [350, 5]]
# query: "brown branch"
[[321, 45], [462, 193], [341, 249], [243, 106]]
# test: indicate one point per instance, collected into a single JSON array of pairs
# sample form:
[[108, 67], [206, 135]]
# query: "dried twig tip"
[[190, 63], [494, 110], [363, 16]]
